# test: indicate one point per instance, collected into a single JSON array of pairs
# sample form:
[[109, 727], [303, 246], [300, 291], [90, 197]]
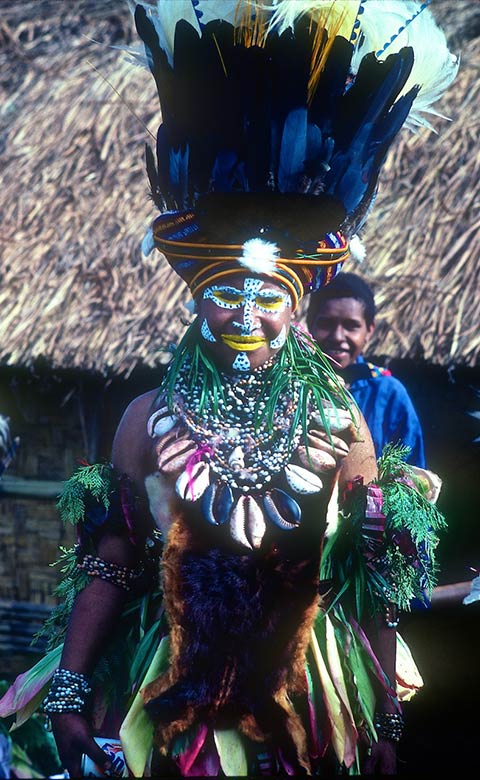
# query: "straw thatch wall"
[[75, 290], [423, 244]]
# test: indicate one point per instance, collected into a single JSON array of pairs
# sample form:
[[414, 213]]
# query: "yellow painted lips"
[[243, 343]]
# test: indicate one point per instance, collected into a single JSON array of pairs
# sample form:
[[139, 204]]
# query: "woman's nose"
[[248, 318]]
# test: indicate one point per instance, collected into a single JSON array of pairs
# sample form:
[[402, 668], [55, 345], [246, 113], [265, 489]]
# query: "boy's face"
[[244, 320], [340, 329]]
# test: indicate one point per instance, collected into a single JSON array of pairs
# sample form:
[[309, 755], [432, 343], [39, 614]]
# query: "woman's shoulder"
[[132, 446], [141, 405]]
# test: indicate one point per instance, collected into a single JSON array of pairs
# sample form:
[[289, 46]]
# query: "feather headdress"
[[276, 120]]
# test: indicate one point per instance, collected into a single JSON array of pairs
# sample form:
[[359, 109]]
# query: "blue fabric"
[[388, 410]]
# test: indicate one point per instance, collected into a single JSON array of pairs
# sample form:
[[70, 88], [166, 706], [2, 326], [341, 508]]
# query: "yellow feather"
[[337, 14], [336, 18], [250, 23]]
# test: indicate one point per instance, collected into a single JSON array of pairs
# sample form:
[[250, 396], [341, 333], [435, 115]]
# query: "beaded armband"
[[69, 692], [389, 725], [98, 498], [121, 576]]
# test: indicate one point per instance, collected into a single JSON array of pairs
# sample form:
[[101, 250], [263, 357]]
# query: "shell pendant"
[[302, 480], [236, 460], [193, 482], [247, 523]]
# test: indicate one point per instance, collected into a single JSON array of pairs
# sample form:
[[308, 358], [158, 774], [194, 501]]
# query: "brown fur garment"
[[240, 626]]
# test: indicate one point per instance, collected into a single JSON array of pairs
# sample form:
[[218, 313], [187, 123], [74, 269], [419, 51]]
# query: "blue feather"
[[223, 173], [347, 171], [314, 142], [375, 119], [387, 130], [178, 171], [156, 57], [163, 166], [293, 150]]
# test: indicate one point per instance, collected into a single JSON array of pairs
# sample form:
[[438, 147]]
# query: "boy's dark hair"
[[344, 285]]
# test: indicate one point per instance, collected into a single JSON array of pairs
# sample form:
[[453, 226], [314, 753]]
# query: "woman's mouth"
[[243, 343]]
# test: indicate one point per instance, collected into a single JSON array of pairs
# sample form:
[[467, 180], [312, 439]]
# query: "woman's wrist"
[[69, 692], [388, 725]]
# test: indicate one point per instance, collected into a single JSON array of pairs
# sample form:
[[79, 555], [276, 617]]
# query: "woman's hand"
[[73, 736]]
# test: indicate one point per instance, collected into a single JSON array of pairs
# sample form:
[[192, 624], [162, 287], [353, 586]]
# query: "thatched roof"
[[423, 243], [75, 290]]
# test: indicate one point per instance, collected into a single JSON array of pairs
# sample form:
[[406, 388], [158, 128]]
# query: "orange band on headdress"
[[195, 289]]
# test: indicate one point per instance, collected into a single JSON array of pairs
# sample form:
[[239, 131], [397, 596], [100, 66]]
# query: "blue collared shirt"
[[387, 408]]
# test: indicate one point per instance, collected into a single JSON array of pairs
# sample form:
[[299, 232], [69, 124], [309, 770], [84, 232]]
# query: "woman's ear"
[[370, 331]]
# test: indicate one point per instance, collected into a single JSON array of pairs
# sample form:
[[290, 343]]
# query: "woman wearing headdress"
[[270, 644]]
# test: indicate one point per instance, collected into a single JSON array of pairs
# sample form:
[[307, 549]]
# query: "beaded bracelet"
[[389, 725], [121, 576], [68, 692]]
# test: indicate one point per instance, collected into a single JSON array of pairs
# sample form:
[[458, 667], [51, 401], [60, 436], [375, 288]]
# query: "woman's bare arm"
[[361, 462], [99, 605]]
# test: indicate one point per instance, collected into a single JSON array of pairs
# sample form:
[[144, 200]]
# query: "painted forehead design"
[[252, 289]]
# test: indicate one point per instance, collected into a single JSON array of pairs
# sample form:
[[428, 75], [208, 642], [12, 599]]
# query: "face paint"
[[207, 333], [249, 317], [251, 297], [241, 362], [280, 340]]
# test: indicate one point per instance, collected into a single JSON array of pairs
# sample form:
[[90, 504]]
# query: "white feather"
[[337, 15], [434, 68], [166, 13], [357, 248], [148, 243], [259, 256], [165, 16], [217, 9]]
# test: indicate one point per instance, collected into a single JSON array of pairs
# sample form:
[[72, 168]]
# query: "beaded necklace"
[[245, 449], [233, 437]]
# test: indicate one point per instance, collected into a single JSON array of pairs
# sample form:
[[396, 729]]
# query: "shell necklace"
[[232, 456]]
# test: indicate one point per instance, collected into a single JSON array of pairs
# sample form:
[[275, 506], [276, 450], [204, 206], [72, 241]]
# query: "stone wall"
[[30, 536]]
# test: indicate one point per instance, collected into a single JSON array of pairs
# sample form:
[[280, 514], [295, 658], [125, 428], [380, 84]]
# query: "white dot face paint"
[[279, 341], [241, 362], [207, 333], [247, 319]]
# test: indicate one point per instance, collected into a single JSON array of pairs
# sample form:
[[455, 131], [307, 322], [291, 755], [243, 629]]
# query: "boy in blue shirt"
[[341, 319]]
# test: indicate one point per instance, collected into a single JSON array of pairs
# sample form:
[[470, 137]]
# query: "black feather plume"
[[238, 117], [155, 192]]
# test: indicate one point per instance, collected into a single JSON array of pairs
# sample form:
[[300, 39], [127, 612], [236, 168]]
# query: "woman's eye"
[[227, 297], [269, 302]]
